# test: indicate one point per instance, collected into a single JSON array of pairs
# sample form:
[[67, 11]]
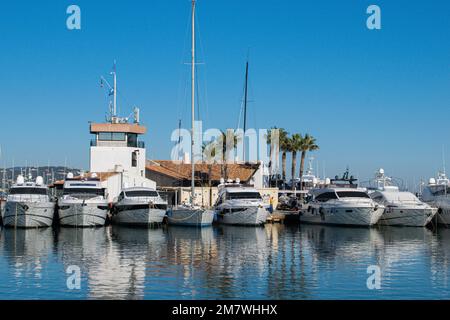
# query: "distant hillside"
[[9, 175]]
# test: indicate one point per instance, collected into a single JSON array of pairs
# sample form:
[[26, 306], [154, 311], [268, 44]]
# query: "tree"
[[308, 143]]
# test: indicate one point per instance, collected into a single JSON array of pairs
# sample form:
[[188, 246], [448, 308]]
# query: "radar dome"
[[70, 175], [238, 180], [93, 175], [39, 181], [222, 180], [432, 181], [327, 181], [381, 171], [20, 179]]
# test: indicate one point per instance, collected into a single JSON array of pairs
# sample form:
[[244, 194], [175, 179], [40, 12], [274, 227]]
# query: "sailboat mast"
[[245, 108], [193, 104]]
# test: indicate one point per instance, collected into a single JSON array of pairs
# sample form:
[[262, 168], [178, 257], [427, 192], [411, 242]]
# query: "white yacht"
[[343, 206], [139, 206], [28, 205], [342, 203], [83, 203], [240, 205], [437, 194], [401, 208]]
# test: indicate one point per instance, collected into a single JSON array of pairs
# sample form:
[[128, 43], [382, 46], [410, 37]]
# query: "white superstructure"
[[139, 206], [401, 208], [437, 194], [83, 203], [240, 205], [28, 205]]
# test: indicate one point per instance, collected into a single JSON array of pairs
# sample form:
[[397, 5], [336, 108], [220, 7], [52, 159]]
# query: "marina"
[[275, 192]]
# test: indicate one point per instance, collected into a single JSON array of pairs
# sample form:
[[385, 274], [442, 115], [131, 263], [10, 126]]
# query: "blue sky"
[[371, 98]]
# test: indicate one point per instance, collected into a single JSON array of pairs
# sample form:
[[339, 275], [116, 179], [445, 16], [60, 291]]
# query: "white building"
[[117, 154]]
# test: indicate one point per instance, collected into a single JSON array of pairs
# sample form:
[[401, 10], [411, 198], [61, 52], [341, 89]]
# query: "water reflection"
[[27, 249], [225, 262]]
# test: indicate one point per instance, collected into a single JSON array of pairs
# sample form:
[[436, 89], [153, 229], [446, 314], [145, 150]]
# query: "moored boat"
[[139, 206], [28, 205], [239, 204], [83, 203]]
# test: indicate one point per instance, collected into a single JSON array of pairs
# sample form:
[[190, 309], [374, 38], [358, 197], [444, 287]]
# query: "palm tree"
[[295, 143], [308, 143], [211, 148], [284, 146]]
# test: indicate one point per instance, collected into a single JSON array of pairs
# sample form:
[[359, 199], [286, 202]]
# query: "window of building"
[[111, 136], [134, 159]]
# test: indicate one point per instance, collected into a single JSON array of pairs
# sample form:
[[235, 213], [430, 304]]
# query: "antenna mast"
[[114, 90]]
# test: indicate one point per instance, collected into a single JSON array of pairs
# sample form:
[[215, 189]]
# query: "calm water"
[[274, 262]]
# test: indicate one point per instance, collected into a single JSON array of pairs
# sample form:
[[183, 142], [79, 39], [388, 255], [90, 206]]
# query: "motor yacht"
[[437, 194], [28, 205], [140, 206], [83, 203], [239, 204], [401, 208]]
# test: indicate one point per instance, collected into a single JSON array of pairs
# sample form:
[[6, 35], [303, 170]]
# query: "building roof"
[[180, 170], [118, 127]]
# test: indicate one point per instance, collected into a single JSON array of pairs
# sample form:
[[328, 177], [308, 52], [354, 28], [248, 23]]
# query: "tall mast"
[[245, 108], [193, 104]]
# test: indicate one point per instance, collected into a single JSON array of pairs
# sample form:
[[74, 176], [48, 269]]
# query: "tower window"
[[134, 159]]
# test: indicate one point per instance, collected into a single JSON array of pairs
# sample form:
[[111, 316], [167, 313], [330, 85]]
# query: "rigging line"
[[202, 54], [183, 79]]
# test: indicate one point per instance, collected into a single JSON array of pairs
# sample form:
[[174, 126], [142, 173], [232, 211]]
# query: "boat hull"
[[443, 215], [28, 214], [348, 216], [407, 217], [190, 217], [252, 216], [83, 215], [138, 216]]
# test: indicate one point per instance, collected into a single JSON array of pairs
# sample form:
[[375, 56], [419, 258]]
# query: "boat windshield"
[[243, 195], [352, 194], [141, 193], [39, 191], [84, 191]]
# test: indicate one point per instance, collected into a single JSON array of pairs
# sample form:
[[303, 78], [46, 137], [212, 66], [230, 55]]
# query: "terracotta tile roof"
[[179, 170]]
